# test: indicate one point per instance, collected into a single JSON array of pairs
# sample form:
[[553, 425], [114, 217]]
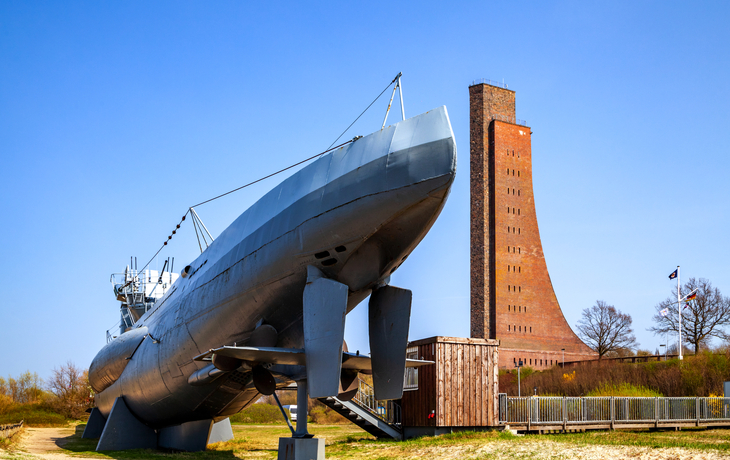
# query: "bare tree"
[[606, 329], [71, 387], [703, 317]]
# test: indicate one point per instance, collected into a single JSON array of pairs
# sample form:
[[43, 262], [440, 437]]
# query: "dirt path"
[[43, 443]]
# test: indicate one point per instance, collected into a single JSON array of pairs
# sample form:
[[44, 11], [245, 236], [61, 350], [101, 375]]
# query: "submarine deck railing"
[[387, 411], [612, 411]]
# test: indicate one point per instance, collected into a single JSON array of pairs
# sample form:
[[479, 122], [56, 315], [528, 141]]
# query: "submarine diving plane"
[[265, 304]]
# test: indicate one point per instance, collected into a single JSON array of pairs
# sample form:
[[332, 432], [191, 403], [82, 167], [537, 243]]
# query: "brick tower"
[[512, 297]]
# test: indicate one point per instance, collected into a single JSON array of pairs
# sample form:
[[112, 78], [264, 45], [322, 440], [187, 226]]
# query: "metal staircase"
[[382, 419]]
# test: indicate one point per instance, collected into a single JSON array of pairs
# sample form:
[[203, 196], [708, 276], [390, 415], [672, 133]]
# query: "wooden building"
[[458, 392]]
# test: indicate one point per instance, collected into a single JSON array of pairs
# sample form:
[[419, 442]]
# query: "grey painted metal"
[[221, 431], [283, 413], [189, 436], [124, 431], [389, 316], [95, 425], [325, 307], [726, 389], [614, 410], [111, 361], [285, 356], [301, 449], [302, 411], [355, 214]]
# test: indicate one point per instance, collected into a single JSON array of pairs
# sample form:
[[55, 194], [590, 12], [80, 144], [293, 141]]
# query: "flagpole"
[[679, 308]]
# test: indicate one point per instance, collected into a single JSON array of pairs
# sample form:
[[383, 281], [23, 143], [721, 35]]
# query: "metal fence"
[[7, 431], [388, 411], [548, 410]]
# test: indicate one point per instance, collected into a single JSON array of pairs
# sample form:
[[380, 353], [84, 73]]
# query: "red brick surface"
[[512, 297]]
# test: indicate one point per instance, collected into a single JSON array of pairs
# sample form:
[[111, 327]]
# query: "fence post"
[[529, 413], [697, 409], [656, 412], [565, 415], [613, 418]]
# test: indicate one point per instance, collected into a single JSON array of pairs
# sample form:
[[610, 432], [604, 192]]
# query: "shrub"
[[325, 416], [699, 375], [260, 414], [623, 389], [34, 415]]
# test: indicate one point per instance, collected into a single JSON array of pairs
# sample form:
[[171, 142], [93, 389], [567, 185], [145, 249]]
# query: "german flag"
[[691, 296]]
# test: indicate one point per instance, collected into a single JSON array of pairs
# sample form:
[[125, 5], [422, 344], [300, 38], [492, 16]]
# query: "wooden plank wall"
[[418, 404], [467, 384], [461, 387]]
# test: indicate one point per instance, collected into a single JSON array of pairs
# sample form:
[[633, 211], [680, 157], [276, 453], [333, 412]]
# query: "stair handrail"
[[388, 411]]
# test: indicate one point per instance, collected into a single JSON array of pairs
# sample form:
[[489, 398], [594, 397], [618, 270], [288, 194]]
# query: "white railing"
[[549, 410], [388, 411]]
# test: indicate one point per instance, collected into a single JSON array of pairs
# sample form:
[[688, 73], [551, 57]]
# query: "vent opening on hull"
[[322, 255], [340, 249], [329, 262]]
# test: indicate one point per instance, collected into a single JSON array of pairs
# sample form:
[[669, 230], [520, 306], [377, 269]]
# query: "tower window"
[[507, 190], [525, 308], [508, 329], [508, 171], [520, 288], [530, 329], [520, 328], [519, 250], [519, 269], [520, 308], [513, 173], [518, 173], [518, 212], [518, 193], [508, 268], [519, 231]]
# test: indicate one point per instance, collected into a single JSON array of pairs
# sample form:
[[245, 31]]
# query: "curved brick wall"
[[512, 297]]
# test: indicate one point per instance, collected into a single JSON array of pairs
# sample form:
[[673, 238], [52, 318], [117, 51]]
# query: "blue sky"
[[115, 117]]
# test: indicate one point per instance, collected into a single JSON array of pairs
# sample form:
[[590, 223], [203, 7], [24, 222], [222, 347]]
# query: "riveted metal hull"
[[365, 206]]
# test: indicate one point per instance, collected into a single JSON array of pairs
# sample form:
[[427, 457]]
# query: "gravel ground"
[[45, 443], [41, 443], [529, 449]]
